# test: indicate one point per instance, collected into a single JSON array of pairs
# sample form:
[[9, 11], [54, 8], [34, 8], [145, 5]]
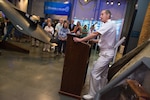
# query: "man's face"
[[104, 17], [49, 24], [61, 21], [72, 21]]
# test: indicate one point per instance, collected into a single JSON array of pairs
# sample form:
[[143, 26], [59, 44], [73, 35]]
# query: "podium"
[[75, 67]]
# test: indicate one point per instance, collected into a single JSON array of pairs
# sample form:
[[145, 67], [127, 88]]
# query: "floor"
[[33, 76], [37, 75]]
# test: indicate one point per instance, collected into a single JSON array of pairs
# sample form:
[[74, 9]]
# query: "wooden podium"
[[75, 67]]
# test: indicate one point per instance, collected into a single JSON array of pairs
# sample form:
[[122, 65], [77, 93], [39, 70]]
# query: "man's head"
[[49, 24], [105, 15], [49, 20], [61, 20], [72, 21]]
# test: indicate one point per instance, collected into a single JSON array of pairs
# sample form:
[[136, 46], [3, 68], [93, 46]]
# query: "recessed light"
[[111, 2], [119, 3]]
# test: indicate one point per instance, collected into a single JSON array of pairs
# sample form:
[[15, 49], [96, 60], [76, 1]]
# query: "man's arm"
[[94, 40], [91, 36]]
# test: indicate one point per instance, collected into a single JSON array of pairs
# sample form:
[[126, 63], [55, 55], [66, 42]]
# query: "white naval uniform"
[[100, 69]]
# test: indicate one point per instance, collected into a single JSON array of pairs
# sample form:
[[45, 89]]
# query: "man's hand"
[[94, 40], [93, 35], [76, 39]]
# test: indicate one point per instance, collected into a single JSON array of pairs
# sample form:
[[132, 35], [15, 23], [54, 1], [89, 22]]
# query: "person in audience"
[[2, 25], [84, 31], [58, 26], [18, 35], [107, 33], [93, 44], [72, 25], [9, 28], [36, 42], [50, 31], [62, 37], [91, 30], [44, 23], [77, 29]]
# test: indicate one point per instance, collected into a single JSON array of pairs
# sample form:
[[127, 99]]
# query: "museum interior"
[[35, 64]]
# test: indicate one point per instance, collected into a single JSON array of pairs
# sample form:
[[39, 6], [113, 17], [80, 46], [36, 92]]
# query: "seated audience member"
[[62, 37], [84, 31], [77, 29], [50, 31]]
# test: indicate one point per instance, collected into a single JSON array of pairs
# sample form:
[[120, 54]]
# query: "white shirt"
[[58, 27], [108, 35], [51, 29]]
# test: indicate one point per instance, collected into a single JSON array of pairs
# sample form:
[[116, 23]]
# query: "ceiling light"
[[66, 2], [111, 2], [107, 2], [85, 0], [119, 3]]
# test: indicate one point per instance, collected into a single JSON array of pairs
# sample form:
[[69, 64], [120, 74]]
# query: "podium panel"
[[75, 67]]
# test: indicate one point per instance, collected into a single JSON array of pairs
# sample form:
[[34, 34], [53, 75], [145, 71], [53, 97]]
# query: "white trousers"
[[99, 72], [46, 46], [35, 42]]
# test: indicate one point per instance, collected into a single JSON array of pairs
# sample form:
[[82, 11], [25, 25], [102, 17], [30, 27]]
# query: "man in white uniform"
[[106, 43]]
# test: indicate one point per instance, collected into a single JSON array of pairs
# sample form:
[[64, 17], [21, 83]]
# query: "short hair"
[[108, 12]]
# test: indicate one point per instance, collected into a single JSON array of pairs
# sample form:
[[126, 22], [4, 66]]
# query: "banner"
[[57, 8]]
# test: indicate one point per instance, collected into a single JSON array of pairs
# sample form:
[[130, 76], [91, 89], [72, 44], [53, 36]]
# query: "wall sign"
[[57, 8]]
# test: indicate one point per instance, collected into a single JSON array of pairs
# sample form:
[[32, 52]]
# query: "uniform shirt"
[[51, 29], [108, 35]]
